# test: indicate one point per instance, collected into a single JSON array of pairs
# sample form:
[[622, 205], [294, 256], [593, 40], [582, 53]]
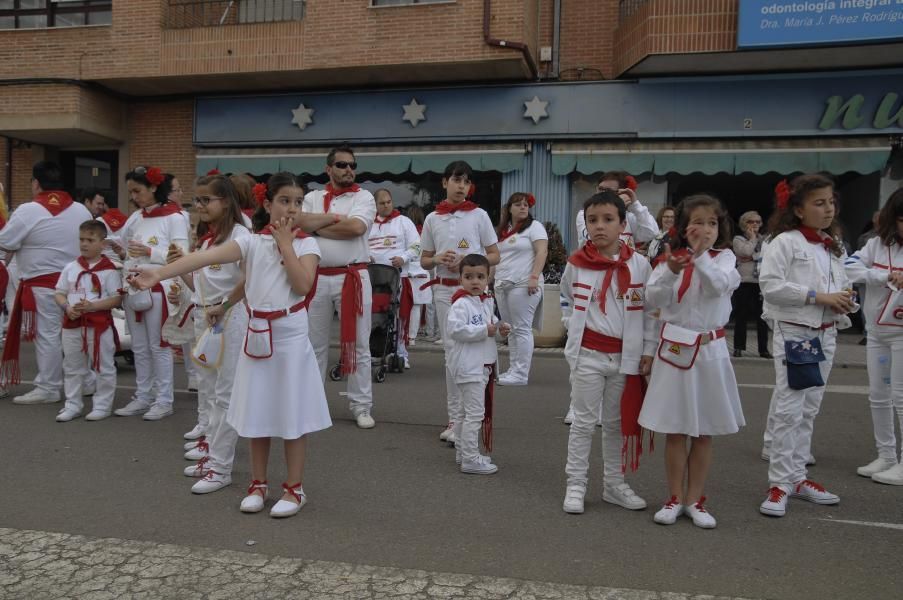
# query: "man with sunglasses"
[[340, 216]]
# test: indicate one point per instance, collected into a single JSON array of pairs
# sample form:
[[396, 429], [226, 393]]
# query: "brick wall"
[[160, 134]]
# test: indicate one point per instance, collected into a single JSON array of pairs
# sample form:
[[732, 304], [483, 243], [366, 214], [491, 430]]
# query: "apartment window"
[[212, 13], [37, 14], [403, 2]]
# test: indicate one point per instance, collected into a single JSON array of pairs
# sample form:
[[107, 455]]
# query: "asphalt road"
[[391, 496]]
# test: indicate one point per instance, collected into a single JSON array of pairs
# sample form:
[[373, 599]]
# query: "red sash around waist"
[[593, 340]]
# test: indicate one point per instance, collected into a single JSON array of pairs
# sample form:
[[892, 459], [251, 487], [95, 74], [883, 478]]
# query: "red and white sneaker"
[[198, 452], [813, 492], [194, 443], [701, 517], [448, 432], [667, 515], [197, 470], [775, 504]]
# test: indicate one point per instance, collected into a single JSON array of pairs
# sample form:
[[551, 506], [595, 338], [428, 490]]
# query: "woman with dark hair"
[[879, 266], [523, 247], [146, 238], [244, 185], [747, 299], [665, 221]]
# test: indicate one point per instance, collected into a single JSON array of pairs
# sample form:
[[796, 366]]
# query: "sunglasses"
[[341, 164], [205, 200]]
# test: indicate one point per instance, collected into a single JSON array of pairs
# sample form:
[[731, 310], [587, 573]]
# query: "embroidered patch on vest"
[[463, 244]]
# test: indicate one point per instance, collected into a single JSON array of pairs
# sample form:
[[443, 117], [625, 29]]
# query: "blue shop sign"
[[784, 23]]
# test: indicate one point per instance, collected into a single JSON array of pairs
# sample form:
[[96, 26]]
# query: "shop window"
[[39, 14]]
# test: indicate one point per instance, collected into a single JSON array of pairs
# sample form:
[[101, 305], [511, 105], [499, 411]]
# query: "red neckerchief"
[[332, 192], [114, 218], [248, 212], [104, 264], [99, 321], [209, 236], [380, 221], [268, 230], [688, 271], [162, 210], [815, 236], [504, 235], [55, 202], [447, 208], [462, 293], [588, 257]]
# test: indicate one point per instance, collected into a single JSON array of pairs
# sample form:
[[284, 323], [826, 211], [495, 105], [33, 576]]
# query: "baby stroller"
[[386, 284]]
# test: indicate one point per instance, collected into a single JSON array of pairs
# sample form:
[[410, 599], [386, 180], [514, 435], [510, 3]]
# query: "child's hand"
[[84, 306], [645, 365], [142, 278], [175, 295], [72, 312], [119, 250], [675, 263], [895, 279], [627, 195], [282, 232], [137, 249], [840, 302], [504, 329], [699, 240], [492, 328], [214, 314], [173, 254]]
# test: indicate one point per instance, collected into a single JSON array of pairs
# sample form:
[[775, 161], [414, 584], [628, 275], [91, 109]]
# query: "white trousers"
[[191, 369], [48, 351], [153, 364], [596, 385], [77, 365], [206, 378], [795, 410], [327, 300], [517, 307], [442, 297], [414, 324], [884, 357], [469, 416]]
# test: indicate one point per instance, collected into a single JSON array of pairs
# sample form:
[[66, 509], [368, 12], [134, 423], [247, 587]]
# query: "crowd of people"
[[249, 295]]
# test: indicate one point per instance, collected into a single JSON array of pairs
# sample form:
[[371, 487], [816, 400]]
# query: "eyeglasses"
[[341, 164], [205, 200]]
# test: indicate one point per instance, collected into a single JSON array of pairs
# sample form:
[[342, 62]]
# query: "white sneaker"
[[438, 342], [192, 384], [287, 508], [573, 499], [701, 517], [37, 396], [876, 466], [199, 469], [198, 452], [195, 433], [412, 343], [133, 408], [667, 514], [157, 412], [194, 443], [775, 504], [481, 466], [892, 476], [448, 431], [407, 362], [66, 415], [623, 496], [253, 502], [365, 421], [211, 482], [510, 380], [97, 415], [569, 418], [812, 492]]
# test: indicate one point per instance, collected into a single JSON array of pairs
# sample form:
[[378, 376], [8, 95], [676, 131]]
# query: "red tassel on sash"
[[486, 430], [632, 432]]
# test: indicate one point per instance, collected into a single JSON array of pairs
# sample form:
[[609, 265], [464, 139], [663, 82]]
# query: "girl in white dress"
[[277, 390], [523, 247], [693, 390]]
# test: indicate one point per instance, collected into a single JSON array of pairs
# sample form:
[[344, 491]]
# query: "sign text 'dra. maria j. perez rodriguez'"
[[765, 23]]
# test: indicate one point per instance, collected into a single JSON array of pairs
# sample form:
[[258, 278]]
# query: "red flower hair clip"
[[260, 193], [630, 182], [154, 175], [531, 200], [471, 191], [782, 194], [213, 171]]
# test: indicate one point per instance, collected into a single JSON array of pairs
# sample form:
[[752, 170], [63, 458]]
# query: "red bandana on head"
[[114, 218], [447, 208], [588, 257], [332, 192], [815, 236], [162, 210], [379, 220], [55, 202]]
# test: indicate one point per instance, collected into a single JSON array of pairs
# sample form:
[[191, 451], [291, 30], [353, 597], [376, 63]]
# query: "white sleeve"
[[644, 227], [718, 276], [304, 246], [537, 232], [776, 259], [660, 287], [566, 295], [411, 242], [244, 245], [426, 238], [364, 208], [488, 236], [860, 266], [62, 284], [581, 229], [460, 327], [17, 229]]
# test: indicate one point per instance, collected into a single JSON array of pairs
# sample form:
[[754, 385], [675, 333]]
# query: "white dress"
[[702, 400], [280, 396]]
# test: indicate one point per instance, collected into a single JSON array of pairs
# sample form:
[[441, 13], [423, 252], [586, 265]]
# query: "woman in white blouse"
[[523, 245]]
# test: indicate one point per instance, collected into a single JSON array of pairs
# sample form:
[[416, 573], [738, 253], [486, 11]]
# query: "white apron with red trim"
[[280, 396]]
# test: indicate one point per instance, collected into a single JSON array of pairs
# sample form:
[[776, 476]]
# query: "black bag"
[[802, 360]]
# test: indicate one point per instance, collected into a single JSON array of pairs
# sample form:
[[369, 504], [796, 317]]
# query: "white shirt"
[[472, 348], [465, 232], [214, 282], [517, 254], [109, 283], [43, 243], [157, 233], [267, 286], [358, 205], [640, 226], [398, 237], [871, 265], [611, 322]]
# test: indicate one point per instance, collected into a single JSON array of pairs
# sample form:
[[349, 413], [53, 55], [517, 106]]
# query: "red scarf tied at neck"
[[462, 293], [588, 257], [332, 192], [380, 221], [55, 202], [100, 321], [162, 210], [815, 236], [447, 208]]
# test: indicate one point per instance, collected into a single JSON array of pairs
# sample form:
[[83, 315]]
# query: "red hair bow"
[[630, 182], [260, 193], [213, 171], [154, 175], [782, 194], [531, 200]]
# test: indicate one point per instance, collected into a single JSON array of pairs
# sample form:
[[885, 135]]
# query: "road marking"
[[867, 523], [860, 390]]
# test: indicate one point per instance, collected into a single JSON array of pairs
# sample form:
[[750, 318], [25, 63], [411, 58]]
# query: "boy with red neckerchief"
[[456, 228], [42, 235], [87, 290], [602, 302]]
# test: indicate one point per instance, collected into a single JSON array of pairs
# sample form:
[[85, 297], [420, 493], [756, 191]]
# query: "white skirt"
[[280, 396], [702, 400]]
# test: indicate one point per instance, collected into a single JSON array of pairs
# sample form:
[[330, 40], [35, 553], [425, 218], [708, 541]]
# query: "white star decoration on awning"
[[413, 112], [302, 116]]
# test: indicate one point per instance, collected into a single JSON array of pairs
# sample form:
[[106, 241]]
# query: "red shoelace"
[[815, 486], [699, 505], [672, 502], [203, 446], [209, 475], [775, 494], [291, 490], [258, 485]]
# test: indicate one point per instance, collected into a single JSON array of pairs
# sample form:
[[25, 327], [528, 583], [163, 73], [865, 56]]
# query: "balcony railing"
[[626, 8], [213, 13]]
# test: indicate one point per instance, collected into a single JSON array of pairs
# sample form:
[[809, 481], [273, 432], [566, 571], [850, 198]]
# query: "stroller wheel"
[[335, 373], [380, 375]]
